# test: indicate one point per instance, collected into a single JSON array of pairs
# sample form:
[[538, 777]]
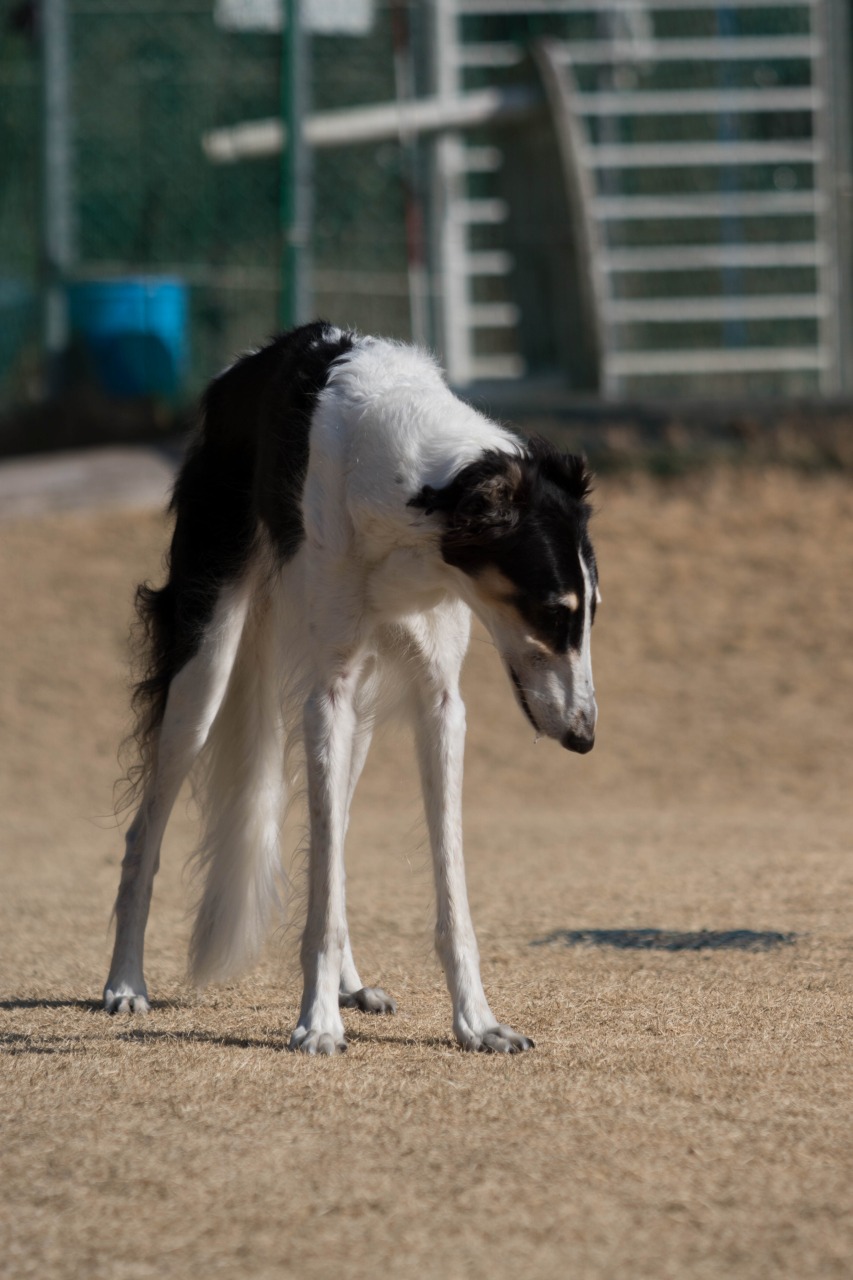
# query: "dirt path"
[[684, 1114]]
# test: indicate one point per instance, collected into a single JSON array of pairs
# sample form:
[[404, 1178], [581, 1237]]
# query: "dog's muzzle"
[[522, 698]]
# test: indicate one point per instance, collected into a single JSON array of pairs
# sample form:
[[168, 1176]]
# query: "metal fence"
[[147, 79], [714, 147], [715, 140]]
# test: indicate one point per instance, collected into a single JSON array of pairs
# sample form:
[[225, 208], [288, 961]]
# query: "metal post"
[[413, 197], [833, 182], [294, 305], [454, 335], [840, 57], [57, 218]]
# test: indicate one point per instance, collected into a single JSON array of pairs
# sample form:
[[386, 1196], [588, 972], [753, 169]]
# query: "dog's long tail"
[[242, 792]]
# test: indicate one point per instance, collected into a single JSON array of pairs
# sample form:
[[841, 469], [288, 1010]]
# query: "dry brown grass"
[[682, 1115]]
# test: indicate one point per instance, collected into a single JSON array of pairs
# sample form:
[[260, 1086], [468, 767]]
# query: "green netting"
[[149, 78]]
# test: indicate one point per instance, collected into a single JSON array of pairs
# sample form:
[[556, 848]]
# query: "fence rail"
[[714, 142]]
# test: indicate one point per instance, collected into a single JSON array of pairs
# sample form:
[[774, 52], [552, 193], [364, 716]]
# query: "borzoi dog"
[[338, 518]]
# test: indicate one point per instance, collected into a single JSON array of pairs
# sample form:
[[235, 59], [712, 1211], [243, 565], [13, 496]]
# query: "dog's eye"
[[554, 612], [553, 618]]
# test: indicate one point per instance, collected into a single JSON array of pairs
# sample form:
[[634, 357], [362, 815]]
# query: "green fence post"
[[57, 214], [295, 170]]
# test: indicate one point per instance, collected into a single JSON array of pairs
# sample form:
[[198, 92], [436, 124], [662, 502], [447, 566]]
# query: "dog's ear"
[[482, 503], [567, 471]]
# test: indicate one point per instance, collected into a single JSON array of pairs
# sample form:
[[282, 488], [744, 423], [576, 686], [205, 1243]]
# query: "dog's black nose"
[[578, 742]]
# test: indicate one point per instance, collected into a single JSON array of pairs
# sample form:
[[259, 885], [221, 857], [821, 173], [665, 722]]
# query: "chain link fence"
[[687, 283], [148, 78], [20, 213]]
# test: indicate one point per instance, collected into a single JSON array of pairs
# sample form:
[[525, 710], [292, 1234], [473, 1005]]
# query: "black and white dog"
[[337, 519]]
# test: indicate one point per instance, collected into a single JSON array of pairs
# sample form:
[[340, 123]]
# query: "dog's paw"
[[126, 997], [368, 1000], [495, 1039], [323, 1043]]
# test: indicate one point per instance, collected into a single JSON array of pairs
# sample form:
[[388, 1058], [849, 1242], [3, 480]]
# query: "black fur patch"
[[528, 517], [247, 464]]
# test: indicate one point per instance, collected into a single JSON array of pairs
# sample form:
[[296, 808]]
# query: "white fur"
[[239, 859], [367, 611]]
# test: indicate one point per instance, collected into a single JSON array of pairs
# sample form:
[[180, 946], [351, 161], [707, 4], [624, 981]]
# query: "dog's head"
[[515, 528]]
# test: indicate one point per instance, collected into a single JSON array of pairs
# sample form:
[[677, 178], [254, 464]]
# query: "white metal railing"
[[643, 364], [748, 204], [728, 49], [764, 307], [766, 161], [699, 102], [491, 7], [661, 250], [699, 256]]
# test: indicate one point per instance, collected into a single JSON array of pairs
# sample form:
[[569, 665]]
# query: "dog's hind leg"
[[329, 726], [194, 698], [353, 993], [334, 756]]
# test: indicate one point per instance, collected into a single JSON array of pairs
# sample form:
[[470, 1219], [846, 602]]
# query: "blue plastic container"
[[134, 331]]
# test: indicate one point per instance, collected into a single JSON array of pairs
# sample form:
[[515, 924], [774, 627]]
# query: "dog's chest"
[[406, 580]]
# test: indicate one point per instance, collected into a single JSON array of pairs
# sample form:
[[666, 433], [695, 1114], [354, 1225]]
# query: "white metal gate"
[[719, 166]]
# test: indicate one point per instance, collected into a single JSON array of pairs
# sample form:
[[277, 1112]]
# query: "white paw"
[[491, 1039], [126, 997], [308, 1040], [368, 999]]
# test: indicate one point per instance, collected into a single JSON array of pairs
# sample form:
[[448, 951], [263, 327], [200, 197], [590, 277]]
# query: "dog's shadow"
[[21, 1002], [17, 1042], [150, 1035], [274, 1043], [21, 1042], [669, 939]]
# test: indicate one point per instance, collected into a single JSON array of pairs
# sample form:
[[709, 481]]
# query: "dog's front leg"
[[329, 722], [441, 739]]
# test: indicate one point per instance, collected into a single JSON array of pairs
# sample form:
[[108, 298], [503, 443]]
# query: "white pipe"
[[372, 124]]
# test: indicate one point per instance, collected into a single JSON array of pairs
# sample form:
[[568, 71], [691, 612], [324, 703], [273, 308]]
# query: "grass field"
[[684, 1113]]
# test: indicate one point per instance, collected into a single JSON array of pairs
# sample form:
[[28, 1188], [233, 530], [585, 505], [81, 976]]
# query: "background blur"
[[604, 198]]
